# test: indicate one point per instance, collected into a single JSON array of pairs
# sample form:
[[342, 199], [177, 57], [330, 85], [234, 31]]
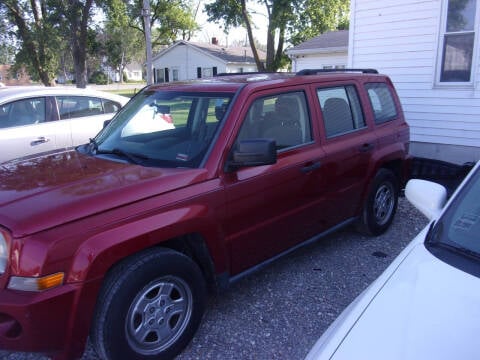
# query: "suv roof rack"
[[244, 73], [316, 71]]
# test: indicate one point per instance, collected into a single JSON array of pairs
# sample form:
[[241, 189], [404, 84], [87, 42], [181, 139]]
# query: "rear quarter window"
[[382, 102]]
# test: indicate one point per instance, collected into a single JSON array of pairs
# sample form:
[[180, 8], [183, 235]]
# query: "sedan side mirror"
[[253, 152], [426, 196]]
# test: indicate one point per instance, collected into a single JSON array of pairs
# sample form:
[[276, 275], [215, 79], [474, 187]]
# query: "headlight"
[[3, 253]]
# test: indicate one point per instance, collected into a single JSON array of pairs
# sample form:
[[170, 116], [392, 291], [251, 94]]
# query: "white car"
[[35, 119], [426, 305]]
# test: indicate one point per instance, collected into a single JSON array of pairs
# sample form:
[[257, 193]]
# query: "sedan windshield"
[[458, 230], [163, 128]]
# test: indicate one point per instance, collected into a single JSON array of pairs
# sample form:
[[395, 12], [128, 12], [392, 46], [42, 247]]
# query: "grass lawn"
[[126, 92]]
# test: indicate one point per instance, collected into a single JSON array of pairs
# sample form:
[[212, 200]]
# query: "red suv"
[[122, 238]]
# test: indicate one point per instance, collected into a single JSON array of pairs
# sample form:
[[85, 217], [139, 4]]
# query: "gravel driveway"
[[279, 312]]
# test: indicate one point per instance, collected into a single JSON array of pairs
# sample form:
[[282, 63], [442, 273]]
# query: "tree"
[[74, 17], [7, 40], [317, 17], [169, 20], [122, 44], [42, 26], [37, 35], [288, 21]]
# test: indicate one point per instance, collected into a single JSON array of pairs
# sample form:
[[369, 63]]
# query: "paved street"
[[278, 313]]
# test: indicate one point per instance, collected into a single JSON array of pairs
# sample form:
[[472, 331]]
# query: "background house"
[[326, 51], [133, 71], [431, 50], [186, 61], [20, 78]]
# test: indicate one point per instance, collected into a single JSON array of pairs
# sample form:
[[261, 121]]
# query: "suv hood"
[[41, 192]]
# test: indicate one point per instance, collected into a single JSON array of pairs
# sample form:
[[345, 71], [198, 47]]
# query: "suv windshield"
[[458, 230], [163, 128]]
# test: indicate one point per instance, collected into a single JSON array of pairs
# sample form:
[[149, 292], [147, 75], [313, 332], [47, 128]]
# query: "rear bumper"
[[37, 322]]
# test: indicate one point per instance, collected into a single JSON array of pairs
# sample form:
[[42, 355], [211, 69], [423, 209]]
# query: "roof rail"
[[244, 73], [317, 71]]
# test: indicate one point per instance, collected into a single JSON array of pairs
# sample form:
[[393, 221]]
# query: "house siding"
[[186, 59], [402, 40], [318, 61]]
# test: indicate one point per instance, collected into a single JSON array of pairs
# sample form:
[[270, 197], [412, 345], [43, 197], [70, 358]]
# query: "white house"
[[326, 51], [133, 71], [185, 60], [431, 50]]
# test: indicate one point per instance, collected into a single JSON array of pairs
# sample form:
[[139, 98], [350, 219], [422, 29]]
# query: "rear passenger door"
[[85, 116], [272, 207], [348, 143]]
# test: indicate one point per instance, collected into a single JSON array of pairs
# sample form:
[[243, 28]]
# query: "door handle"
[[39, 140], [366, 147], [311, 167]]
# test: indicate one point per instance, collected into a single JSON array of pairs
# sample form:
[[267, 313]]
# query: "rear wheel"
[[150, 307], [381, 204]]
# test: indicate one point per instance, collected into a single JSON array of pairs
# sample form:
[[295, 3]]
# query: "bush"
[[99, 78]]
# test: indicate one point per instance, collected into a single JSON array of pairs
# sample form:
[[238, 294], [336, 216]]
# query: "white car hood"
[[426, 310]]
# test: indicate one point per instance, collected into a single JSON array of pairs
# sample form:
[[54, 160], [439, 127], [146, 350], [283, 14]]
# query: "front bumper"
[[36, 322]]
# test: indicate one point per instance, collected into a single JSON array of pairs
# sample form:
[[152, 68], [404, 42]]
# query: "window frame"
[[442, 36]]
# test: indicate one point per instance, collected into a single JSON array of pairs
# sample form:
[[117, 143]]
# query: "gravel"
[[279, 312]]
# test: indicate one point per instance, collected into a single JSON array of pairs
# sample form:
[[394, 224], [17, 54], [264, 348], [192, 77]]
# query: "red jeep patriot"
[[189, 188]]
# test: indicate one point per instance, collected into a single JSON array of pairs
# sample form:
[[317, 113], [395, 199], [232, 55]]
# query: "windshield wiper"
[[132, 157], [93, 145]]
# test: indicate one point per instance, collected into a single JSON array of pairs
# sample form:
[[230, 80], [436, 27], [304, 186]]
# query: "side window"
[[71, 107], [341, 109], [283, 117], [22, 112], [110, 107], [382, 102]]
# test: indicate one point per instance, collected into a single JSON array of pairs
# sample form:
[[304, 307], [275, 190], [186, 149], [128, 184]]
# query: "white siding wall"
[[402, 40], [236, 68], [186, 59], [318, 61]]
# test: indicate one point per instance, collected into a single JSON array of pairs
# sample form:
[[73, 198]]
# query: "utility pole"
[[148, 39]]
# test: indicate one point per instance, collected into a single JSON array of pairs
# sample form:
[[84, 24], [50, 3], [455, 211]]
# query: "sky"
[[210, 30]]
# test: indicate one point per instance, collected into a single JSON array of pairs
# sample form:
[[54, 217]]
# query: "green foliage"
[[169, 20], [38, 37], [289, 21], [99, 78], [315, 17]]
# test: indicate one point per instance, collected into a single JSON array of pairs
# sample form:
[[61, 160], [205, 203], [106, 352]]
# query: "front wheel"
[[381, 204], [150, 307]]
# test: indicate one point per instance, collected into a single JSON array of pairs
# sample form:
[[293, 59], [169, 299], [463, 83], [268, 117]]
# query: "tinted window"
[[22, 112], [341, 110], [382, 102], [78, 106], [282, 117], [110, 106]]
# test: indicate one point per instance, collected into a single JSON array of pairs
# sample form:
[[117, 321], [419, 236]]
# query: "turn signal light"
[[36, 284]]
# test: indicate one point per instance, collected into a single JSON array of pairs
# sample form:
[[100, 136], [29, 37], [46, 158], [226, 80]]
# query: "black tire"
[[149, 307], [381, 204]]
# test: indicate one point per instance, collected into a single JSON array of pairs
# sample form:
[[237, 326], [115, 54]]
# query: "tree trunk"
[[260, 65], [79, 40]]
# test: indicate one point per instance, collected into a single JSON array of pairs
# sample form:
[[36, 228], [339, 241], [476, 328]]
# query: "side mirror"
[[426, 196], [253, 152]]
